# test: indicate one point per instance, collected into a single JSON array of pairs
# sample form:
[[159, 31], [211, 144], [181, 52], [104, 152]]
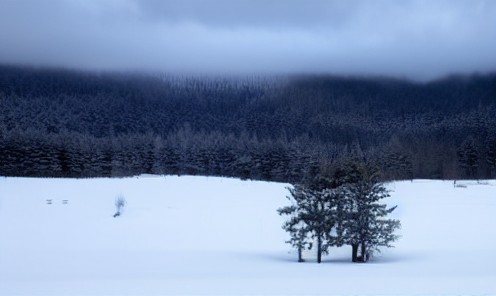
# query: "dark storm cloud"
[[251, 13], [415, 39]]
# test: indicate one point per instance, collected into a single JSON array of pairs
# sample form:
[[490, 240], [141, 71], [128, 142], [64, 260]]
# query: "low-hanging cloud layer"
[[412, 39]]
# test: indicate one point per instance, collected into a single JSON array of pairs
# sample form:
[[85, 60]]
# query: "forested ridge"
[[62, 123]]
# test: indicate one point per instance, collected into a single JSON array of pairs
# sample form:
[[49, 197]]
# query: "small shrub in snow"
[[120, 202]]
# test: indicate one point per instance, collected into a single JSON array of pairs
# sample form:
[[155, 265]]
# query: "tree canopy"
[[350, 213], [62, 123]]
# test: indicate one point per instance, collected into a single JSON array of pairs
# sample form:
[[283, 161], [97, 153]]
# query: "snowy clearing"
[[216, 236]]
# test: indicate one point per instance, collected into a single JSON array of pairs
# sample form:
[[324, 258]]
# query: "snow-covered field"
[[215, 236]]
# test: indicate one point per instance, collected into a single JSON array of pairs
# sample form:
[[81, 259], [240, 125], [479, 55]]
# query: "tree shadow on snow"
[[389, 258], [340, 256], [397, 257]]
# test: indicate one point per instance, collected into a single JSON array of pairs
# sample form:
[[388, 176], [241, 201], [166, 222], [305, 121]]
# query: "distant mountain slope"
[[68, 123]]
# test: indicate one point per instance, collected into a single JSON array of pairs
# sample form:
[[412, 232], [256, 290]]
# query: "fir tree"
[[312, 218], [468, 156], [341, 210], [364, 224], [296, 226]]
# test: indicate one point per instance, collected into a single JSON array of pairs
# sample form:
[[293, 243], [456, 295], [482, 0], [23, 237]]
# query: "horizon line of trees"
[[60, 123]]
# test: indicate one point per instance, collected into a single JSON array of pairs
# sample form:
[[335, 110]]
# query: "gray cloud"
[[413, 39]]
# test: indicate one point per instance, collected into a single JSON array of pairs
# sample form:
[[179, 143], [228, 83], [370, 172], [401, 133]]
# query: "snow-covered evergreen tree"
[[364, 224], [296, 226], [341, 210], [313, 215], [311, 219]]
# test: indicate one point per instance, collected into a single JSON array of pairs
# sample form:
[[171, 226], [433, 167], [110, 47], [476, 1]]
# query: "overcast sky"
[[410, 39]]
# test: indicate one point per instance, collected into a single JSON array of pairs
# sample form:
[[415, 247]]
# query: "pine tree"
[[313, 216], [296, 226], [364, 224], [491, 154], [468, 156], [342, 208]]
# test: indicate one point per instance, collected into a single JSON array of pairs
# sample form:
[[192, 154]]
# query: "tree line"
[[62, 123]]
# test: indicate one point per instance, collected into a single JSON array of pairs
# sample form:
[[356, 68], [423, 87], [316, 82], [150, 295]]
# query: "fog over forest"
[[414, 39]]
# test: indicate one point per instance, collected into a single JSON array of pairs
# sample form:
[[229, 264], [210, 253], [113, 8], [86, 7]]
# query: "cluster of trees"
[[34, 154], [60, 123], [341, 208]]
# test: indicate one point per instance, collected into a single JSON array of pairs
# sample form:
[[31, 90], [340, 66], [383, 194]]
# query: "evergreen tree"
[[312, 218], [296, 227], [341, 210], [364, 224], [491, 155], [468, 156]]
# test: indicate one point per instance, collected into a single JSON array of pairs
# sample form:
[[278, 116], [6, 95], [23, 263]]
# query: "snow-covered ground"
[[216, 236]]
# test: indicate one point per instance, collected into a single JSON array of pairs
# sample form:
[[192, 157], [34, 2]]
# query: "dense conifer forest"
[[62, 123]]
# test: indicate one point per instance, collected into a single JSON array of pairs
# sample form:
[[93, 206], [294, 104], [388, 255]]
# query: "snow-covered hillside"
[[216, 236]]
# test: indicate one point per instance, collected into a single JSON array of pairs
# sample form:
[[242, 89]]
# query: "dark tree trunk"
[[319, 248], [300, 257], [354, 252], [364, 257]]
